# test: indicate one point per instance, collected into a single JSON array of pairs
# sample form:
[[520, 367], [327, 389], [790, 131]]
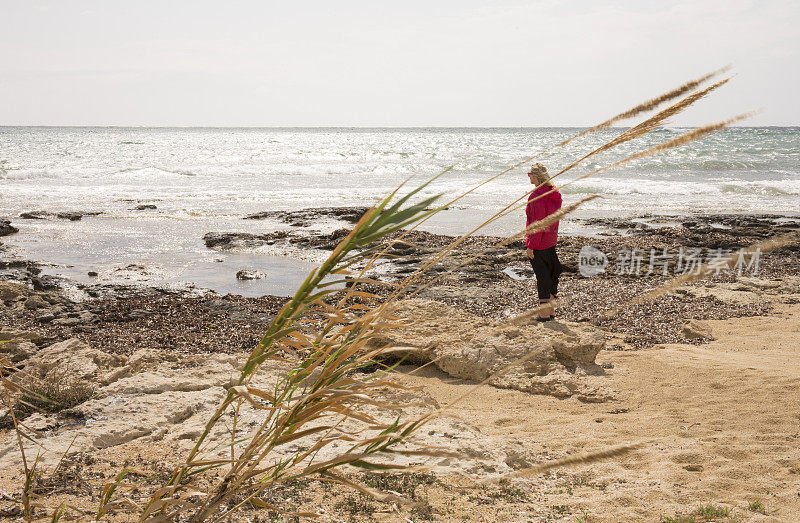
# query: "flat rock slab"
[[552, 358]]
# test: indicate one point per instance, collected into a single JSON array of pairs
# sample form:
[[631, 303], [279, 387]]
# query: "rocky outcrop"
[[151, 394], [250, 275], [552, 358], [697, 330], [228, 241], [45, 306], [6, 228], [162, 396], [10, 291], [234, 241], [72, 216], [308, 217], [18, 334], [36, 302], [83, 362], [17, 350]]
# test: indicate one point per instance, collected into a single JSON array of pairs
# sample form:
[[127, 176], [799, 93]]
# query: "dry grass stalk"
[[651, 124], [649, 105], [27, 398], [316, 405], [580, 459]]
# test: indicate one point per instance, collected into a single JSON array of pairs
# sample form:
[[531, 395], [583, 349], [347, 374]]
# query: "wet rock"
[[72, 216], [319, 241], [27, 266], [308, 217], [697, 330], [35, 215], [6, 228], [239, 240], [250, 275], [45, 283]]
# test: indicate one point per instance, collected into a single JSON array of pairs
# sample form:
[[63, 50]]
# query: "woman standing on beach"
[[541, 246]]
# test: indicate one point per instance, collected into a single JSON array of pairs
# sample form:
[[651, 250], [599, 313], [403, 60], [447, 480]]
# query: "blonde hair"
[[542, 176]]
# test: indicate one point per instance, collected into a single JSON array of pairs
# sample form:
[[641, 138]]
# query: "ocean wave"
[[639, 186], [27, 174], [776, 188]]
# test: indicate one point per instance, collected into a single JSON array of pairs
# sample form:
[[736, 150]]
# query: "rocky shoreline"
[[493, 283]]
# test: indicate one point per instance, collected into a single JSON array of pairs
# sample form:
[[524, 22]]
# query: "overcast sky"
[[380, 63]]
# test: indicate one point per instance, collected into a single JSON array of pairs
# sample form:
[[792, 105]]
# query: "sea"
[[207, 179]]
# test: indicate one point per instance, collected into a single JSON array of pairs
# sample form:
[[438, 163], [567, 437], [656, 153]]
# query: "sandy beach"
[[703, 380]]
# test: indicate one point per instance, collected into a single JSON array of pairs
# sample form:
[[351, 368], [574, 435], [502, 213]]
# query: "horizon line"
[[116, 126]]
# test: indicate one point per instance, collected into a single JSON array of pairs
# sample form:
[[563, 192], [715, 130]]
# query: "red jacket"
[[538, 210]]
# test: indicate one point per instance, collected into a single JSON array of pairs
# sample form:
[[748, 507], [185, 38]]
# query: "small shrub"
[[423, 511], [706, 512], [712, 511], [404, 484], [57, 391], [560, 509], [510, 494], [757, 506], [355, 505]]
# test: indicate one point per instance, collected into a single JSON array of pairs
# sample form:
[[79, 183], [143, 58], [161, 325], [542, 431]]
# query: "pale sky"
[[380, 63]]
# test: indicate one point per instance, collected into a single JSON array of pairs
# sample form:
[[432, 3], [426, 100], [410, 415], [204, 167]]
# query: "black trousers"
[[547, 269]]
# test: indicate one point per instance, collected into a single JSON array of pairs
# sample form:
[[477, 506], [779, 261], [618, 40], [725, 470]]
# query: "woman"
[[541, 246]]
